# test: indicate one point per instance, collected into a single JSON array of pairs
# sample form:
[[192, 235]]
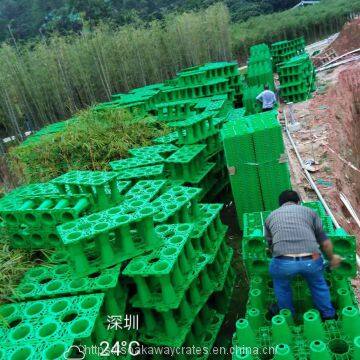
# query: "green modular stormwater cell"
[[139, 239]]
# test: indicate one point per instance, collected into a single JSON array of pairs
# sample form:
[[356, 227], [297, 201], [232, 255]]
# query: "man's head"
[[266, 87], [289, 196]]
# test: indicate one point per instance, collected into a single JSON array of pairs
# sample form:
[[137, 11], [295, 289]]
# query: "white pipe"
[[308, 176], [352, 212], [341, 56], [354, 58]]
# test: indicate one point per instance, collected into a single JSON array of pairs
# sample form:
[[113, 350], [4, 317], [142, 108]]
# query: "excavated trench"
[[344, 136], [330, 134]]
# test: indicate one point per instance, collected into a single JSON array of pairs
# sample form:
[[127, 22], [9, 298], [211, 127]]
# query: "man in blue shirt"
[[267, 98]]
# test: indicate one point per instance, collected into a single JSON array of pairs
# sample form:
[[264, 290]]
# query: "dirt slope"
[[348, 39], [330, 135]]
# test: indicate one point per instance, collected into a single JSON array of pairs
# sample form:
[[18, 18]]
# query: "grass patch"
[[88, 143], [13, 264]]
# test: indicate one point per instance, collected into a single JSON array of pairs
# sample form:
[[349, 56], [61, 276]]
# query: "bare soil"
[[348, 39]]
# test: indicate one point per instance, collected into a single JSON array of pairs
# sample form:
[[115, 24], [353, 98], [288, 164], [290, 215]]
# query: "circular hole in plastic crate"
[[77, 283], [342, 245], [18, 240], [93, 217], [48, 330], [59, 306], [105, 280], [338, 346], [113, 211], [344, 267], [184, 227], [161, 266], [79, 326], [21, 332], [146, 211], [182, 198], [169, 251], [177, 188], [122, 219], [55, 351], [30, 218], [202, 258], [277, 319], [59, 256], [10, 218], [100, 226], [73, 236], [36, 239], [214, 320], [22, 353], [130, 197], [54, 285], [67, 226], [70, 316], [170, 207], [67, 216], [35, 308], [162, 228], [89, 303], [36, 272], [53, 238], [62, 269], [136, 266], [208, 336], [45, 280], [176, 239], [15, 322], [137, 203], [47, 218], [159, 217], [26, 289]]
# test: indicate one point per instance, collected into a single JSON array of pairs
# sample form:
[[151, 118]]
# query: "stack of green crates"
[[297, 78], [284, 50], [305, 335], [259, 74], [259, 70], [256, 162]]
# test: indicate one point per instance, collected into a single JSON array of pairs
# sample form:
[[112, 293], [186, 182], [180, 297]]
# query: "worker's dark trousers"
[[267, 109], [282, 271]]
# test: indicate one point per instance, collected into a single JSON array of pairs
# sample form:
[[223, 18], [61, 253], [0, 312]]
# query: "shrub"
[[88, 143]]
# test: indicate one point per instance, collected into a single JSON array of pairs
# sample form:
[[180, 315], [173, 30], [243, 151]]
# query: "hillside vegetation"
[[313, 22], [34, 18], [44, 82], [49, 80]]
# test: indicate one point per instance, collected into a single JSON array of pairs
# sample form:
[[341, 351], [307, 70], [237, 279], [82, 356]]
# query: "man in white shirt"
[[267, 98]]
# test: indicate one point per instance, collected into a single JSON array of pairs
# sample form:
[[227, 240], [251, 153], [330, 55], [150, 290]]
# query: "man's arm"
[[268, 235], [260, 97], [328, 249], [325, 244]]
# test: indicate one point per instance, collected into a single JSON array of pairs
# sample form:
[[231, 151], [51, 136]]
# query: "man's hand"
[[335, 260]]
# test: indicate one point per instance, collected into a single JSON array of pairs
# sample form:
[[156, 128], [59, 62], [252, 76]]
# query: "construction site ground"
[[329, 139]]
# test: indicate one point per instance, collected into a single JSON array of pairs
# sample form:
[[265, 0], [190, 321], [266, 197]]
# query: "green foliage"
[[313, 22], [43, 82], [29, 17], [88, 143], [13, 265]]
